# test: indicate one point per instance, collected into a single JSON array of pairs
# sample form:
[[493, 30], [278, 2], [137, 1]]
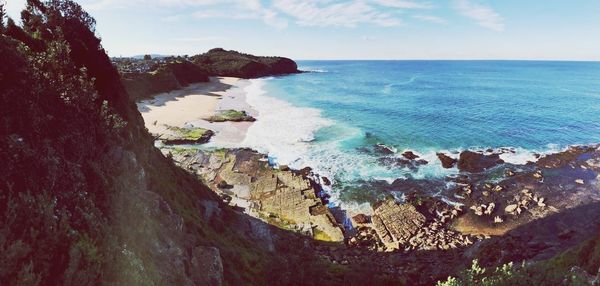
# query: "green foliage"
[[553, 271], [232, 63], [2, 15]]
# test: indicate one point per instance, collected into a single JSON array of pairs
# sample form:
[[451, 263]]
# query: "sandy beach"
[[190, 106]]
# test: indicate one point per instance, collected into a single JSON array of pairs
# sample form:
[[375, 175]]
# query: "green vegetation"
[[220, 62], [231, 115], [554, 271], [147, 77]]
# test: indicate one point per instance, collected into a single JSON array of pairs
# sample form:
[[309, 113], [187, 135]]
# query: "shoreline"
[[483, 197], [206, 99], [191, 106]]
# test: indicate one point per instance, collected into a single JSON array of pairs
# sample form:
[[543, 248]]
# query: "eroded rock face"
[[206, 266], [396, 223], [473, 162], [284, 198]]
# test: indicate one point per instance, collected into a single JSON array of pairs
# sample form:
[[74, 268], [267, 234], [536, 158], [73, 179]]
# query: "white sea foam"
[[282, 130], [287, 134], [309, 69]]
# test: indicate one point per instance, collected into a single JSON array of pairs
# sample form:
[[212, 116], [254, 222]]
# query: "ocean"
[[332, 117]]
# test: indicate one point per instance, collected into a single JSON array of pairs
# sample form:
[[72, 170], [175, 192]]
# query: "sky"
[[355, 29]]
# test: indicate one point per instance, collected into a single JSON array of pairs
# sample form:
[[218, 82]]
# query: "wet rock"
[[326, 181], [447, 161], [223, 185], [361, 219], [410, 155], [473, 162], [382, 149]]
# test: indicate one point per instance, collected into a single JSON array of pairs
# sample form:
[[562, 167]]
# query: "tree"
[[147, 57], [2, 13]]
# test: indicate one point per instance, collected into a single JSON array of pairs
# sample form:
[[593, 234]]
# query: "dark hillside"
[[220, 62]]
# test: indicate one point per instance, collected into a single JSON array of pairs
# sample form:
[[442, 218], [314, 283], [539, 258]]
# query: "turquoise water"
[[331, 118]]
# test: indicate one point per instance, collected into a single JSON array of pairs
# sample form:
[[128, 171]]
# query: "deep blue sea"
[[330, 118]]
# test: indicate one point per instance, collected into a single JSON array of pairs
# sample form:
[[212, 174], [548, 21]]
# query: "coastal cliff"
[[87, 199], [147, 76], [160, 77]]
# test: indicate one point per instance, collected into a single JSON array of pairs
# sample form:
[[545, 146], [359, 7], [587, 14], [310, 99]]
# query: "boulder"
[[382, 149], [447, 161], [473, 162], [361, 219], [410, 155]]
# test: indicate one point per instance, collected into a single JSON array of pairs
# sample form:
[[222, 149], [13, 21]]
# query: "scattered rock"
[[579, 182], [447, 161], [511, 208], [382, 149], [509, 172], [326, 181], [361, 219], [473, 162], [410, 155]]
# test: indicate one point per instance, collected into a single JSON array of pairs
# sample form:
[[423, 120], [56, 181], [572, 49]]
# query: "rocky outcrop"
[[182, 136], [473, 162], [283, 198], [396, 223], [220, 62], [206, 266], [410, 155], [231, 115], [447, 161]]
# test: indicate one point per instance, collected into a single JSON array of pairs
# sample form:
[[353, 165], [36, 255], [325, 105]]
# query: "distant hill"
[[220, 62], [146, 77]]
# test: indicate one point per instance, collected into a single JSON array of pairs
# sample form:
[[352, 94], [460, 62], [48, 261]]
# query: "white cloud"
[[328, 13], [431, 19], [483, 15], [403, 4], [201, 39]]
